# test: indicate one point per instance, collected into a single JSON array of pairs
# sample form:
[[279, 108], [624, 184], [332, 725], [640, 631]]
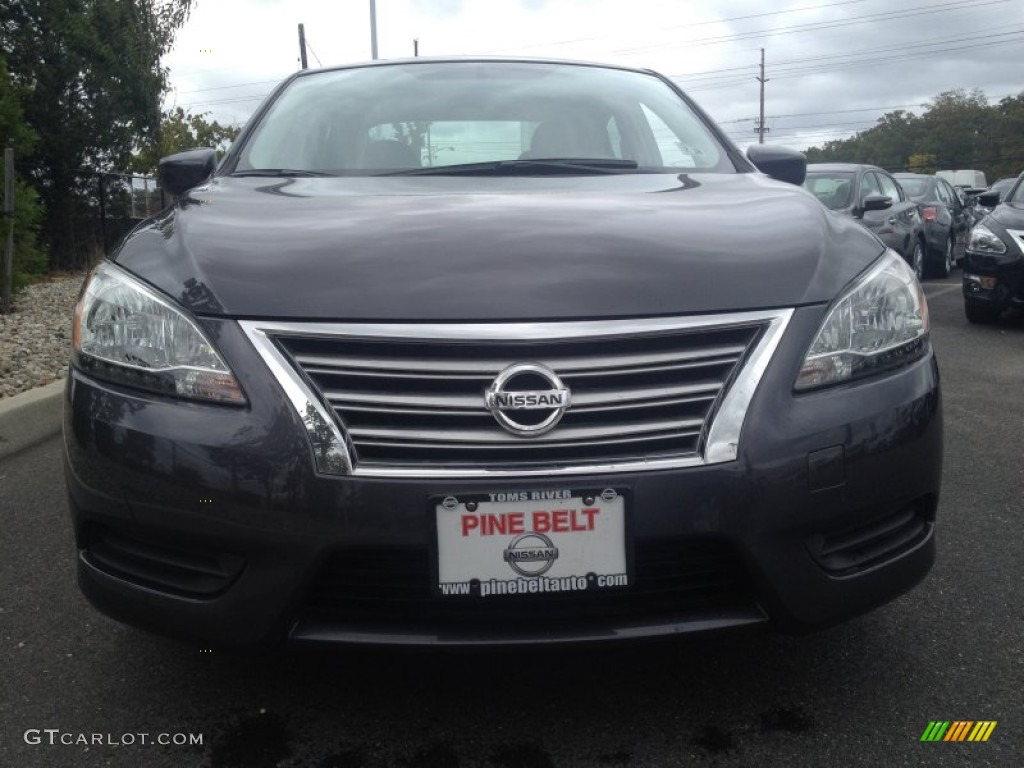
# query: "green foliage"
[[179, 131], [1008, 137], [958, 129], [922, 162], [29, 260], [89, 80], [14, 131]]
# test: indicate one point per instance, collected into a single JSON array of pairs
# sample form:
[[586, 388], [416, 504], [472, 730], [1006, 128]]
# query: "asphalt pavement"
[[860, 694]]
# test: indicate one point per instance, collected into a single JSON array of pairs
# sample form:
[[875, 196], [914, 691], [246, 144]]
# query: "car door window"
[[954, 199], [869, 186], [943, 194], [890, 188]]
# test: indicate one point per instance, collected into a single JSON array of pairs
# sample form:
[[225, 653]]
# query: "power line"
[[816, 125], [956, 5], [681, 26], [236, 85], [801, 71], [237, 100], [780, 71], [717, 73], [310, 46], [784, 74], [783, 71], [830, 112]]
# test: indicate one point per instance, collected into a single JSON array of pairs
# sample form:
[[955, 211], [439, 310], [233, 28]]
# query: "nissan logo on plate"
[[517, 389], [531, 554]]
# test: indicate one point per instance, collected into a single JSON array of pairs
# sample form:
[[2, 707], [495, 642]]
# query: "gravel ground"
[[35, 340]]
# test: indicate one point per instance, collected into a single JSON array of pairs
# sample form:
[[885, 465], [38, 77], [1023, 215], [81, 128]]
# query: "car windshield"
[[1002, 186], [834, 190], [916, 189], [442, 115], [1016, 195]]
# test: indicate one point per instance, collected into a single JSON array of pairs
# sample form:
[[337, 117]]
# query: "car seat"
[[389, 153]]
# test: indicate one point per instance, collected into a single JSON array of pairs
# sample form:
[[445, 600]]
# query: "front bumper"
[[210, 523], [995, 279]]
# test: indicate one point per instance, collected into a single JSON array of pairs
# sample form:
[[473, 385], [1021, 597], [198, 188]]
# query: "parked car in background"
[[945, 219], [874, 198], [588, 374], [964, 178], [994, 262], [1001, 186]]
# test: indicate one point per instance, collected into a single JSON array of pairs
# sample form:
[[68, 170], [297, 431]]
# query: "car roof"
[[472, 59], [840, 167], [907, 175]]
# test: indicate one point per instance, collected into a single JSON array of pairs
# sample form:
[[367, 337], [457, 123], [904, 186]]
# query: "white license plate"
[[531, 542]]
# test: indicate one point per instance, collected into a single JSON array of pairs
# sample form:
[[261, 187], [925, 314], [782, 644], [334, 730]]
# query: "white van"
[[970, 179]]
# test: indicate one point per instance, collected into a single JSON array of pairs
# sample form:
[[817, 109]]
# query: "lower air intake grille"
[[161, 567], [859, 548], [392, 590]]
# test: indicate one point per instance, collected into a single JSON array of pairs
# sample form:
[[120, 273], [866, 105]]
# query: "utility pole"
[[9, 222], [761, 129], [373, 29], [302, 46], [415, 46]]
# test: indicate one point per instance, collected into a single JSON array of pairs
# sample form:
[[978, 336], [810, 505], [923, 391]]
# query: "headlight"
[[126, 333], [983, 240], [880, 323]]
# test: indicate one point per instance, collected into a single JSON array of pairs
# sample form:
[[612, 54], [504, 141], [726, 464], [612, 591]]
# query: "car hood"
[[436, 248], [1010, 215]]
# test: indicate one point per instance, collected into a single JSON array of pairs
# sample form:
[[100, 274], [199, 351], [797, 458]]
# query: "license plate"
[[531, 542]]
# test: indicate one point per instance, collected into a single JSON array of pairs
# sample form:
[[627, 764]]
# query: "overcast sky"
[[834, 67]]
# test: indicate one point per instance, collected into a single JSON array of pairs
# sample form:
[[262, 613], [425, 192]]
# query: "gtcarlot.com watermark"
[[56, 737]]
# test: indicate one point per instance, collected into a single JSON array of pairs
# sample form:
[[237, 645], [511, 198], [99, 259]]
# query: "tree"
[[180, 130], [90, 81], [1009, 137], [29, 260], [959, 129], [891, 142], [922, 162]]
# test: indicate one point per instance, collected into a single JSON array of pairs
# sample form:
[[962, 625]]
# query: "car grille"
[[390, 590], [419, 403]]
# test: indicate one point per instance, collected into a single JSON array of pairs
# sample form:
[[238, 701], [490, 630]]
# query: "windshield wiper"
[[570, 166], [279, 172]]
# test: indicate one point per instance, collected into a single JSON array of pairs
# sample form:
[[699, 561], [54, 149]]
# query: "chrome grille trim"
[[490, 437], [481, 367], [334, 450]]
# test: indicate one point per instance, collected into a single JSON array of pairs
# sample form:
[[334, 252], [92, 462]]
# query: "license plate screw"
[[588, 500], [471, 506]]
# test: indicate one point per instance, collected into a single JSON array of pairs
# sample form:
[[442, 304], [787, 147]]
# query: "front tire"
[[981, 312]]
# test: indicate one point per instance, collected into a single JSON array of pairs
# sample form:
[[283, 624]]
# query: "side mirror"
[[877, 203], [184, 170], [989, 199], [780, 163]]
